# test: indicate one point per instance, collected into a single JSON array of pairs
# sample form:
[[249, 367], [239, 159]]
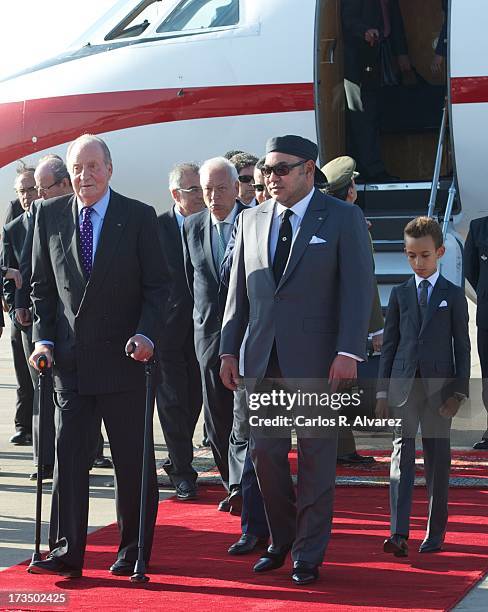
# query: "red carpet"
[[190, 569]]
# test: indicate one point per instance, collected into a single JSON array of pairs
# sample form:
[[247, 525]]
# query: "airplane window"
[[201, 14], [136, 22]]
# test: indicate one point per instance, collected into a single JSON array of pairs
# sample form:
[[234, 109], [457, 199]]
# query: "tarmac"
[[18, 493]]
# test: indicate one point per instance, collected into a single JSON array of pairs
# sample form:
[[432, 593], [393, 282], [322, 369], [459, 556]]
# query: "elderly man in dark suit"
[[368, 25], [99, 280], [179, 394], [301, 283], [205, 237]]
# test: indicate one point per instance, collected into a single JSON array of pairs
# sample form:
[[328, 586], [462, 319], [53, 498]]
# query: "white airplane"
[[164, 81]]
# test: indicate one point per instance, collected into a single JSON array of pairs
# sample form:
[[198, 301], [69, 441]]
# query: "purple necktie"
[[86, 240], [386, 18]]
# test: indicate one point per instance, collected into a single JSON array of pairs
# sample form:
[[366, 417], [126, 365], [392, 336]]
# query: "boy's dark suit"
[[90, 320], [423, 363]]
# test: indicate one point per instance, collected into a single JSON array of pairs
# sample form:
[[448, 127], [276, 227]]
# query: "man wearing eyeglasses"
[[301, 282], [25, 189], [51, 180], [205, 237], [260, 190], [245, 163], [179, 394]]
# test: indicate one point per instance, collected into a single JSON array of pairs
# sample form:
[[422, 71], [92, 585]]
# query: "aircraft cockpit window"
[[201, 15], [137, 21]]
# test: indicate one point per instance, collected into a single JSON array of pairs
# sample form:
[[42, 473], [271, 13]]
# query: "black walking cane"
[[139, 574], [42, 366]]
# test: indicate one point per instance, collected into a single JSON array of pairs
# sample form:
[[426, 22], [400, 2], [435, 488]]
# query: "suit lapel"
[[313, 219], [264, 221], [439, 293], [206, 238], [114, 222], [67, 220]]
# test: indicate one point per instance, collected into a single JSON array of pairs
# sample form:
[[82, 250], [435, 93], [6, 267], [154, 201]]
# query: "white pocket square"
[[317, 240], [443, 304]]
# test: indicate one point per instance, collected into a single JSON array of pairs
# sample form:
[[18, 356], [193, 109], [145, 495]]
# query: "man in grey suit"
[[99, 283], [301, 282], [179, 394], [205, 237]]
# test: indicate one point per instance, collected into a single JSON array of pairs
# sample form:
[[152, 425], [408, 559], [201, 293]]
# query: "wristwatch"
[[3, 270]]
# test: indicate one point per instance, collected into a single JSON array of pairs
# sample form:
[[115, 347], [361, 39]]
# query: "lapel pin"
[[484, 257]]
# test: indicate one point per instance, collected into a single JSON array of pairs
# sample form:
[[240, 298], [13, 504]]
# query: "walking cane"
[[42, 366], [139, 574]]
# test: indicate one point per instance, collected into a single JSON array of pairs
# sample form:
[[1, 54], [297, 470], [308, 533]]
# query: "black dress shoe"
[[304, 573], [102, 462], [21, 438], [430, 546], [396, 544], [246, 544], [271, 560], [51, 565], [355, 459], [224, 505], [186, 490], [481, 445], [235, 502], [122, 568], [46, 473]]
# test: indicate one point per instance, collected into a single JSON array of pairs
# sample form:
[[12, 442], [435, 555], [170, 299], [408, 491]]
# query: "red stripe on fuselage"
[[54, 121], [469, 90]]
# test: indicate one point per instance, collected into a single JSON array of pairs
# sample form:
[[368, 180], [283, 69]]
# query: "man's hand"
[[371, 36], [377, 342], [450, 408], [229, 371], [404, 63], [343, 372], [23, 316], [436, 65], [43, 349], [382, 411], [144, 349], [15, 275]]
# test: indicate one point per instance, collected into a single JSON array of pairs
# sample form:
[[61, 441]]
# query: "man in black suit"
[[179, 394], [99, 283], [25, 188], [476, 271], [368, 25], [205, 237]]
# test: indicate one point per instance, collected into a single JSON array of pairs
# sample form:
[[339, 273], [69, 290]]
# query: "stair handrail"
[[438, 162], [449, 206]]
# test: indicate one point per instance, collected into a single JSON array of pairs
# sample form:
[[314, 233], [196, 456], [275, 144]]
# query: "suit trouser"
[[77, 430], [179, 402], [25, 389], [239, 437], [363, 117], [253, 517], [47, 408], [346, 444], [483, 354], [218, 403], [435, 431]]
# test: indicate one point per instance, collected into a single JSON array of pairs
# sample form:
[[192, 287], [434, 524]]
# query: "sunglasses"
[[258, 187], [281, 169], [245, 178]]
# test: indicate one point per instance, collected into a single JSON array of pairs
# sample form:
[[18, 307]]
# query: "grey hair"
[[87, 139], [219, 163], [176, 174], [23, 168], [56, 166]]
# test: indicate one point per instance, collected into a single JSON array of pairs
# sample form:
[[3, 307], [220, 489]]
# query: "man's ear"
[[176, 195]]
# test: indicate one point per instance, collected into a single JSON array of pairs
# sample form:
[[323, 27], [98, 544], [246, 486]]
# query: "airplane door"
[[329, 80], [468, 97]]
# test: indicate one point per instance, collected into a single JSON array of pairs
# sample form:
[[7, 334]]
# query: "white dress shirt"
[[432, 281], [97, 217]]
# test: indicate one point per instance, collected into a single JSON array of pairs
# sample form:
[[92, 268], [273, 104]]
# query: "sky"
[[33, 30]]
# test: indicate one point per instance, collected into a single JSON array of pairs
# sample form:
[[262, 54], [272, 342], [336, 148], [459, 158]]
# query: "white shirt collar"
[[432, 279], [299, 209], [100, 207], [231, 217]]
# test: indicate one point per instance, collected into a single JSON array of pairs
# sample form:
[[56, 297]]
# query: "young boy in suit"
[[423, 378]]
